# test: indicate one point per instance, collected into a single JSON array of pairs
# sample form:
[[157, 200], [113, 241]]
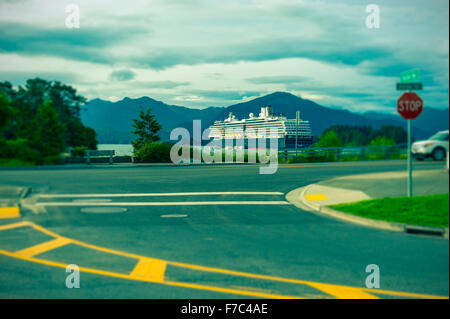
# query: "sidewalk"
[[353, 188], [366, 186]]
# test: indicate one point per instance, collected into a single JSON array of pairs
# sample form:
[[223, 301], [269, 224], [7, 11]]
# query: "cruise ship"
[[286, 129]]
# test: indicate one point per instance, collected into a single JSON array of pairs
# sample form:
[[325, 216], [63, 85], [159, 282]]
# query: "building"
[[263, 126]]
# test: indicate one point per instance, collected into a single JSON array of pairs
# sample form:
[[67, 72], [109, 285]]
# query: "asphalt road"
[[198, 246]]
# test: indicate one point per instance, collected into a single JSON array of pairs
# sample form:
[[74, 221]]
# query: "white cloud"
[[180, 50]]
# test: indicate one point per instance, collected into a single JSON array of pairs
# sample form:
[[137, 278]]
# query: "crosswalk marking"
[[153, 270], [157, 194], [149, 268], [200, 203], [42, 248], [342, 292]]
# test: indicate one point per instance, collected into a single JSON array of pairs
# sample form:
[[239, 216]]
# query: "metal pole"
[[410, 184], [297, 117]]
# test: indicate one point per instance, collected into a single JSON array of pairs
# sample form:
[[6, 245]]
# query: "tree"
[[49, 135], [5, 111], [25, 102], [329, 139], [90, 138], [352, 135], [382, 141], [146, 129], [396, 133]]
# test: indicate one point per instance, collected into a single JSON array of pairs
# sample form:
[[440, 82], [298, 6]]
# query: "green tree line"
[[348, 135], [40, 119]]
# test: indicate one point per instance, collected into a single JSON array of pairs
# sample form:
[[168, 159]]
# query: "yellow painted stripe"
[[403, 294], [9, 212], [232, 272], [14, 225], [150, 268], [315, 197], [203, 268], [169, 283], [42, 248], [342, 292]]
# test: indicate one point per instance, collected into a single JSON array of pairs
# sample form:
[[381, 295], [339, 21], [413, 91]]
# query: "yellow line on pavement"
[[148, 263], [149, 268], [151, 280], [42, 248], [9, 212], [14, 225], [402, 294], [314, 197], [342, 292]]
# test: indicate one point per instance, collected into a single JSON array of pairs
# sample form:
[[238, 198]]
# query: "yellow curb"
[[9, 212]]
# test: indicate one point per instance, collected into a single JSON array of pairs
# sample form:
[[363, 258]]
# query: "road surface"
[[204, 232]]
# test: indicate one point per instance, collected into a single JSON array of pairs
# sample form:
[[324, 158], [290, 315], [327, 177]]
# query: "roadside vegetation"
[[381, 144], [147, 147], [39, 121], [428, 210]]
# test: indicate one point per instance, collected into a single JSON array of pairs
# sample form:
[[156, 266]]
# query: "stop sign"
[[409, 105]]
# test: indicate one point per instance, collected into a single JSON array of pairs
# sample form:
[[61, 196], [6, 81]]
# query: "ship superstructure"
[[266, 125]]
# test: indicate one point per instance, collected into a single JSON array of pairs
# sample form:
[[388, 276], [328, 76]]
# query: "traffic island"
[[375, 200], [428, 210]]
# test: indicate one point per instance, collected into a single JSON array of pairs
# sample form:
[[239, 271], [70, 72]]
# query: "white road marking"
[[155, 194], [103, 210], [163, 203], [173, 216]]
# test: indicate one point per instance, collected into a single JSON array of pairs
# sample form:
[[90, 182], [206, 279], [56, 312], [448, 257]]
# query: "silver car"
[[436, 147]]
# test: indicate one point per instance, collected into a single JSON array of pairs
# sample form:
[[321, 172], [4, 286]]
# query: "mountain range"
[[113, 120]]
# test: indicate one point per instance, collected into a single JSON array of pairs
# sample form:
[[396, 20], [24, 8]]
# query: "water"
[[121, 149]]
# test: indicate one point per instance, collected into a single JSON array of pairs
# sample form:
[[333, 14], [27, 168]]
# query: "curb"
[[118, 165], [298, 195], [25, 192]]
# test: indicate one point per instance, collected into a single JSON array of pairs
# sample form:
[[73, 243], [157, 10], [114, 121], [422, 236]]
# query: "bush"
[[79, 151], [18, 149], [154, 152], [51, 160]]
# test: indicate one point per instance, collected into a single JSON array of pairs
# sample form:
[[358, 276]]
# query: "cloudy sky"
[[200, 53]]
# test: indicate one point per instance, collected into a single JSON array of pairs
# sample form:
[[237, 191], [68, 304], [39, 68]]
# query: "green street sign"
[[409, 76], [409, 86]]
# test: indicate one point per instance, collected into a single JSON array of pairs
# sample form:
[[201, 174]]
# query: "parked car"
[[436, 147]]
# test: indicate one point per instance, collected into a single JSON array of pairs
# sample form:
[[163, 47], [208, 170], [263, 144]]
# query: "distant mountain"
[[113, 121], [430, 121]]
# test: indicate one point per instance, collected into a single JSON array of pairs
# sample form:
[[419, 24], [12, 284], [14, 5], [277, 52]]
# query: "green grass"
[[11, 162], [428, 210]]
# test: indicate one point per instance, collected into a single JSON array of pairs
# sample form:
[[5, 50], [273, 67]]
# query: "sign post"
[[409, 183], [409, 105], [297, 118]]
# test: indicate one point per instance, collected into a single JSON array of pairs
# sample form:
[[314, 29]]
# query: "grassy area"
[[429, 210]]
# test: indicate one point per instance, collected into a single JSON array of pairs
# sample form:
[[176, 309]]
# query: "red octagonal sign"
[[409, 105]]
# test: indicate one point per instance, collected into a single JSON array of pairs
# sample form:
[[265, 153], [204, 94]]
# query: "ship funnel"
[[266, 111]]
